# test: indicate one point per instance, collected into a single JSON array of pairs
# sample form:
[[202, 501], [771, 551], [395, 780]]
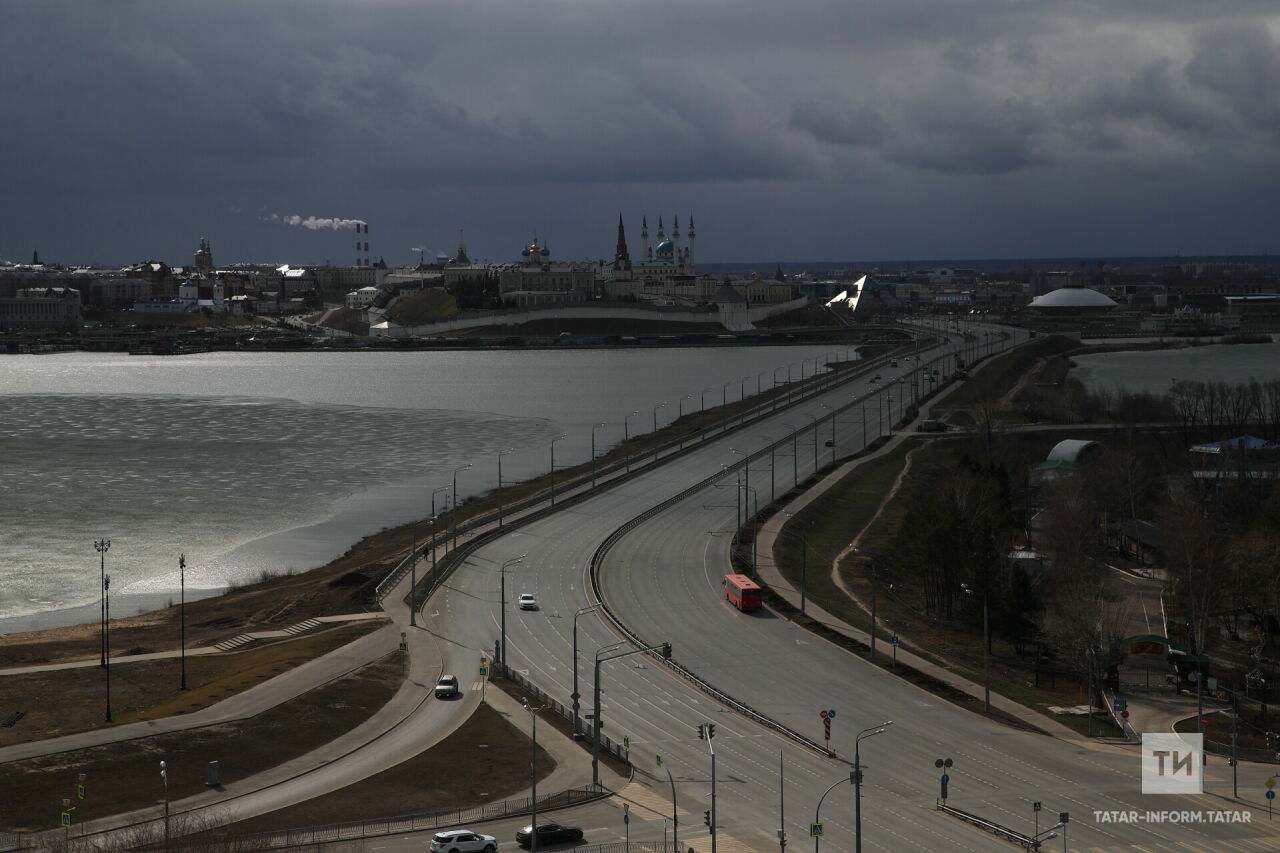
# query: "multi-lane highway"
[[662, 579]]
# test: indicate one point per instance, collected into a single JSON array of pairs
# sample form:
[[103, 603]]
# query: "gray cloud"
[[510, 110]]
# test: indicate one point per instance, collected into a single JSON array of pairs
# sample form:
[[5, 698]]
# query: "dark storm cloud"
[[370, 106]]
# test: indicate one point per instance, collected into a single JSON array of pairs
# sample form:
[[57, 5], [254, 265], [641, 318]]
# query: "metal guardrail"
[[994, 828]]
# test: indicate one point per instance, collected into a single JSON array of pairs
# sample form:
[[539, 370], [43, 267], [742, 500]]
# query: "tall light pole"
[[454, 518], [626, 435], [502, 644], [814, 418], [655, 428], [680, 405], [106, 636], [593, 452], [795, 452], [101, 546], [444, 489], [746, 465], [833, 431], [553, 466], [707, 732], [182, 616], [501, 453], [164, 777], [857, 780], [576, 697], [665, 650], [817, 812], [533, 774], [705, 391], [413, 579]]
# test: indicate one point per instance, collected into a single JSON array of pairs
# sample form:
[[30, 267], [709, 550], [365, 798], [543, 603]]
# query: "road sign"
[[831, 715], [1271, 795], [626, 742], [1204, 721], [815, 830], [66, 819], [894, 640], [1121, 704], [626, 813], [1035, 807], [1271, 783], [80, 791], [946, 777], [823, 713], [1124, 714], [826, 729]]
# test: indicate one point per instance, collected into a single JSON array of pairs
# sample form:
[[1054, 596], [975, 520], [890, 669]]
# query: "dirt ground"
[[148, 690], [125, 776], [494, 756]]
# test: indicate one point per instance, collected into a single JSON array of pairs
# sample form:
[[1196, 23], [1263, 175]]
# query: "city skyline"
[[828, 131]]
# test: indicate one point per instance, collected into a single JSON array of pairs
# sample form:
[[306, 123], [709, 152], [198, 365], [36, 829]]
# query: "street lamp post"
[[665, 649], [501, 453], [593, 453], [164, 777], [453, 520], [576, 697], [413, 578], [533, 775], [444, 489], [553, 466], [680, 405], [502, 644], [182, 617], [815, 440], [817, 812], [795, 452], [106, 636], [857, 780], [655, 427], [101, 546], [704, 399], [707, 732]]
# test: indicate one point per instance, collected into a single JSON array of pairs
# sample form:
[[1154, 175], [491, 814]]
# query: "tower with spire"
[[688, 252], [461, 258], [621, 258], [644, 238]]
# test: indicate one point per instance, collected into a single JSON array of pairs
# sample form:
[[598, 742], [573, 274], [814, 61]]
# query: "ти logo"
[[1172, 763]]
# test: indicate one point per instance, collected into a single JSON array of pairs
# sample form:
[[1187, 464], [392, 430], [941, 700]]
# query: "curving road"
[[663, 580]]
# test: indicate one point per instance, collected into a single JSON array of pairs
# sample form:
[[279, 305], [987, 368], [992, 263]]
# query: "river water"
[[1155, 371], [270, 462]]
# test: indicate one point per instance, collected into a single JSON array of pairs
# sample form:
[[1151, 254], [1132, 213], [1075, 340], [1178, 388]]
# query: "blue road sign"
[[831, 715], [945, 778], [1271, 795]]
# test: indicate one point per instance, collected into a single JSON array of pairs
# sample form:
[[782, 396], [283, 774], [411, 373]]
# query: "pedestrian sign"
[[894, 640], [815, 830], [484, 668], [80, 791], [66, 819]]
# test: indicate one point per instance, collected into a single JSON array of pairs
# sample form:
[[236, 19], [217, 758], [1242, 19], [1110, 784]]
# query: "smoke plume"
[[313, 223]]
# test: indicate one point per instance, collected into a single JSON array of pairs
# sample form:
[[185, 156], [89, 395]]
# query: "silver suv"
[[447, 688], [462, 841]]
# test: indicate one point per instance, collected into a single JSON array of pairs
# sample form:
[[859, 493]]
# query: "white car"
[[462, 841], [527, 601]]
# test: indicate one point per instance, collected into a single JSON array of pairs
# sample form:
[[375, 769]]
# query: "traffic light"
[[706, 817], [711, 730], [702, 731]]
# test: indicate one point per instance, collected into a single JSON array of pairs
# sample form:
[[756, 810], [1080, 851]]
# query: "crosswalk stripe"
[[724, 842], [639, 795]]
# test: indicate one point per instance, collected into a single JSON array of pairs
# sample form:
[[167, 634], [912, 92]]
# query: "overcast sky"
[[849, 129]]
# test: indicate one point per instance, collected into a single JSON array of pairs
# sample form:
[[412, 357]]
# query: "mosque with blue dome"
[[667, 258]]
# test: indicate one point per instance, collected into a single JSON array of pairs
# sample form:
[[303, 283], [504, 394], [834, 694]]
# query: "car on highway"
[[447, 688], [527, 601], [549, 833], [462, 841]]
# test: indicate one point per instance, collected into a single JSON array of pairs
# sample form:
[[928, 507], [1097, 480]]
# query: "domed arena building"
[[1070, 306]]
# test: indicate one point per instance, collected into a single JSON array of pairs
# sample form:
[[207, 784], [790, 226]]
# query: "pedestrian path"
[[223, 646]]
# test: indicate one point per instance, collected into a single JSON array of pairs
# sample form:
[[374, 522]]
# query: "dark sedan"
[[549, 833]]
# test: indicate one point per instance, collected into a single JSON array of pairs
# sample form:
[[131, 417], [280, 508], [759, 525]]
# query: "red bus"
[[742, 592]]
